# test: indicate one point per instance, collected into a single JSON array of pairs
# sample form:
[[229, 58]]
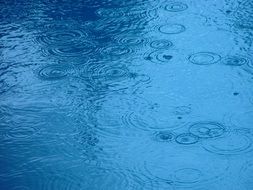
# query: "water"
[[126, 95]]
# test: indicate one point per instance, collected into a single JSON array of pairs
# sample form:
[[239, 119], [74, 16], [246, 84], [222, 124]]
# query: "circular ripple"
[[110, 78], [105, 72], [73, 50], [164, 136], [235, 60], [232, 144], [141, 13], [61, 37], [175, 7], [154, 117], [185, 169], [117, 50], [172, 28], [131, 40], [161, 44], [107, 28], [151, 121], [109, 117], [187, 175], [207, 129], [113, 72], [187, 139], [204, 58], [159, 56], [53, 72]]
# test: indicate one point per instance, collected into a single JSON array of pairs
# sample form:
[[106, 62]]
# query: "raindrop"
[[53, 72]]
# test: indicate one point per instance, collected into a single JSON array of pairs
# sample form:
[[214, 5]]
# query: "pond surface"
[[126, 95]]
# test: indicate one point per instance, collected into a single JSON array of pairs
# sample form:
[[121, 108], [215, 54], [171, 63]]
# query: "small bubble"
[[164, 136], [187, 139]]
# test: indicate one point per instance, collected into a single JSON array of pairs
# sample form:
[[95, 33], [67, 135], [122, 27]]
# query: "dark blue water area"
[[126, 95]]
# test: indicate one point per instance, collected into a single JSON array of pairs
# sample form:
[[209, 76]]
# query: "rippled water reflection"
[[126, 95]]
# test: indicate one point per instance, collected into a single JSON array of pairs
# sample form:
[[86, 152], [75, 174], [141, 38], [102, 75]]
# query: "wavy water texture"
[[126, 95]]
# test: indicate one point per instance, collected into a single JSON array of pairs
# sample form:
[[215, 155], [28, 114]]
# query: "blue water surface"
[[126, 95]]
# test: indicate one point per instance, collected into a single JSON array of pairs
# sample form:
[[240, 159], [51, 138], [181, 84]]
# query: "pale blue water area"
[[126, 95]]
